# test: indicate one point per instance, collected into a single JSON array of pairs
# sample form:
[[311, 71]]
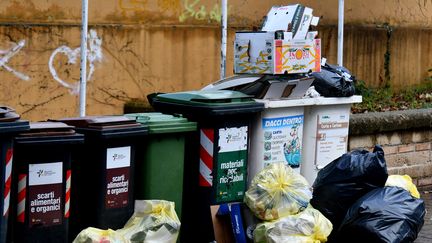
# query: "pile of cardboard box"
[[285, 44]]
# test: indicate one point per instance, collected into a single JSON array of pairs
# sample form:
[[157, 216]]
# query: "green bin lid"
[[205, 105], [163, 123], [210, 98]]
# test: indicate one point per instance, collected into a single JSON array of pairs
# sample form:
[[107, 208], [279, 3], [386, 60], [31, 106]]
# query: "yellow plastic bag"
[[277, 191], [404, 182], [309, 226], [259, 233], [154, 221], [93, 235]]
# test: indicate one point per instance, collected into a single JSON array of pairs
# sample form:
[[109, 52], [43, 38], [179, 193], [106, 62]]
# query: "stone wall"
[[406, 137]]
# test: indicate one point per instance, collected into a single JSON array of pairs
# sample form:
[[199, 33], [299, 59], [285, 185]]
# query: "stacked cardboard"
[[284, 45]]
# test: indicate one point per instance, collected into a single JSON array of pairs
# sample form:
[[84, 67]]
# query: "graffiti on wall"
[[6, 55], [194, 9], [94, 54]]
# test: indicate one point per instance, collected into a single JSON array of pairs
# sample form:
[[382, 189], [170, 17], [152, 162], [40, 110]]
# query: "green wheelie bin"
[[160, 160], [218, 153]]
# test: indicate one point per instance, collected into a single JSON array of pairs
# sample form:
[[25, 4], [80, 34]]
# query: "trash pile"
[[307, 226], [369, 205], [341, 183], [334, 81], [280, 197], [153, 221], [277, 191], [387, 214], [353, 200], [286, 56], [285, 44]]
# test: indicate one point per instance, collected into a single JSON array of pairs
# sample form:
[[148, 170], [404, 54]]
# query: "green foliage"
[[385, 99]]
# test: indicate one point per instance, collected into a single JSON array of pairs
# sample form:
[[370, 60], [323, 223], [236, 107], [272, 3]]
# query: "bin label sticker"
[[117, 190], [233, 139], [45, 174], [118, 157], [118, 169], [331, 137], [283, 140], [45, 194], [231, 164]]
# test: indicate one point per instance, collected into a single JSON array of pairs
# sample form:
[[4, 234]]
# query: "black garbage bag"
[[388, 214], [342, 182], [334, 81]]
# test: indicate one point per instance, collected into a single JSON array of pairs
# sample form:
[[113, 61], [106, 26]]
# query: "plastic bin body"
[[326, 137], [42, 187], [6, 153], [160, 160], [216, 173], [104, 178], [314, 153], [92, 200], [223, 159], [276, 136], [216, 164], [7, 131]]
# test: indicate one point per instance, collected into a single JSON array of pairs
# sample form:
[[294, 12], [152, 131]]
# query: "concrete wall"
[[406, 138], [143, 46], [129, 63], [407, 13]]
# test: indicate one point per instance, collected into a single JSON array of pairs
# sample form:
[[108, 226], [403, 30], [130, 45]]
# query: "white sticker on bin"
[[118, 157], [45, 174], [233, 139]]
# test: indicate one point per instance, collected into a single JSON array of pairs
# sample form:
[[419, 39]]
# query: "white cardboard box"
[[284, 46], [294, 18], [279, 17], [266, 53]]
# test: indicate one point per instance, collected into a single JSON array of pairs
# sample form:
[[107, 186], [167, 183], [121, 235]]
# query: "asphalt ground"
[[425, 235]]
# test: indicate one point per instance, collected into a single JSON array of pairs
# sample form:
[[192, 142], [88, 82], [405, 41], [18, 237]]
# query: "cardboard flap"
[[301, 28], [280, 17], [315, 21], [292, 18]]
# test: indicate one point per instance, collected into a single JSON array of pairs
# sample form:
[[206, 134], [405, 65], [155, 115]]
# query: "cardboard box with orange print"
[[261, 53], [285, 45]]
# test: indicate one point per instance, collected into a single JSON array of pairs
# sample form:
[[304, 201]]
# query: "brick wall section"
[[407, 151], [413, 158]]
